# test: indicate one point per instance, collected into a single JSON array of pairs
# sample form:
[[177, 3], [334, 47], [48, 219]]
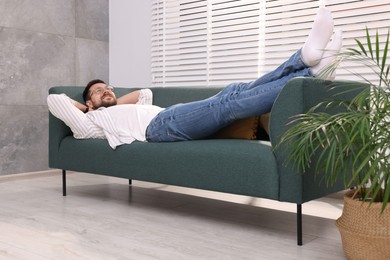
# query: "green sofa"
[[245, 167]]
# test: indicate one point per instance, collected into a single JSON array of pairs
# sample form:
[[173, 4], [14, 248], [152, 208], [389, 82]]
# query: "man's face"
[[100, 95]]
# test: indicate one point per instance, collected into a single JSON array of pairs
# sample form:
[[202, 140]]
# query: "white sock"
[[329, 56], [318, 38]]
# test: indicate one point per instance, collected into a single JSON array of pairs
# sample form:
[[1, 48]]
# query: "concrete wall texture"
[[44, 43]]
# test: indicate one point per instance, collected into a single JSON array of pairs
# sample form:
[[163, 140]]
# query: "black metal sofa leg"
[[63, 182], [130, 182], [299, 224]]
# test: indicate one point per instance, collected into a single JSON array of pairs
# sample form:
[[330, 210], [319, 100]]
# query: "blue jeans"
[[200, 119]]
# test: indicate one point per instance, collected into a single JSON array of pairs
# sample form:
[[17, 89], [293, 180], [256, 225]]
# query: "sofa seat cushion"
[[246, 167]]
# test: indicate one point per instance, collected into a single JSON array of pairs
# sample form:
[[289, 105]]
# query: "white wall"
[[130, 30]]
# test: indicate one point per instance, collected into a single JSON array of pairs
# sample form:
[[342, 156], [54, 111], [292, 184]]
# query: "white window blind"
[[157, 42], [353, 17], [288, 23], [200, 42], [234, 41], [213, 43]]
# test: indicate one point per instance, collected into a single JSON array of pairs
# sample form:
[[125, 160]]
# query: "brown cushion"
[[241, 129]]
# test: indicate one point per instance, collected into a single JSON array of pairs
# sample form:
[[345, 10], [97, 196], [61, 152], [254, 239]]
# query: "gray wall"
[[44, 43]]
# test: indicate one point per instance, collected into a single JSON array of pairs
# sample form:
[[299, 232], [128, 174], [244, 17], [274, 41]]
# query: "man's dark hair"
[[89, 85]]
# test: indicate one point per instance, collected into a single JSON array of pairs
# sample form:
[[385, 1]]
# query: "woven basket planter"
[[365, 232]]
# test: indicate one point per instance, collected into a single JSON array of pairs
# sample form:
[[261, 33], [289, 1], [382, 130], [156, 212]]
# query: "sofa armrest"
[[57, 129], [297, 97], [57, 132]]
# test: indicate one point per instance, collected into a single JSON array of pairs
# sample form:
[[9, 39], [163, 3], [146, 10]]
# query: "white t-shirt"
[[120, 124]]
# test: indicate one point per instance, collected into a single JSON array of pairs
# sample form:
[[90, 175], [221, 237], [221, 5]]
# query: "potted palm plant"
[[353, 144]]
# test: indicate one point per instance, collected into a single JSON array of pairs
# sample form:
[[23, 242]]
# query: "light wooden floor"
[[104, 218]]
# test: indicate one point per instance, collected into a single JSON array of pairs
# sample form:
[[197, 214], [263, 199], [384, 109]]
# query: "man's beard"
[[105, 103], [108, 103]]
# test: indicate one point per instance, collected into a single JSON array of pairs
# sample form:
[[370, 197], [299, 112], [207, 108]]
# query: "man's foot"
[[329, 56], [318, 38]]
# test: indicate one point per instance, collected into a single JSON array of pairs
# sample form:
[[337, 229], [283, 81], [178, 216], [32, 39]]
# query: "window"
[[216, 42]]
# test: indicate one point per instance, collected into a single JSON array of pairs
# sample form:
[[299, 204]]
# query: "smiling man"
[[102, 114], [98, 94]]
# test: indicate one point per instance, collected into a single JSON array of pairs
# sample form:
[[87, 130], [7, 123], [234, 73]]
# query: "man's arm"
[[65, 109], [130, 98], [80, 106]]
